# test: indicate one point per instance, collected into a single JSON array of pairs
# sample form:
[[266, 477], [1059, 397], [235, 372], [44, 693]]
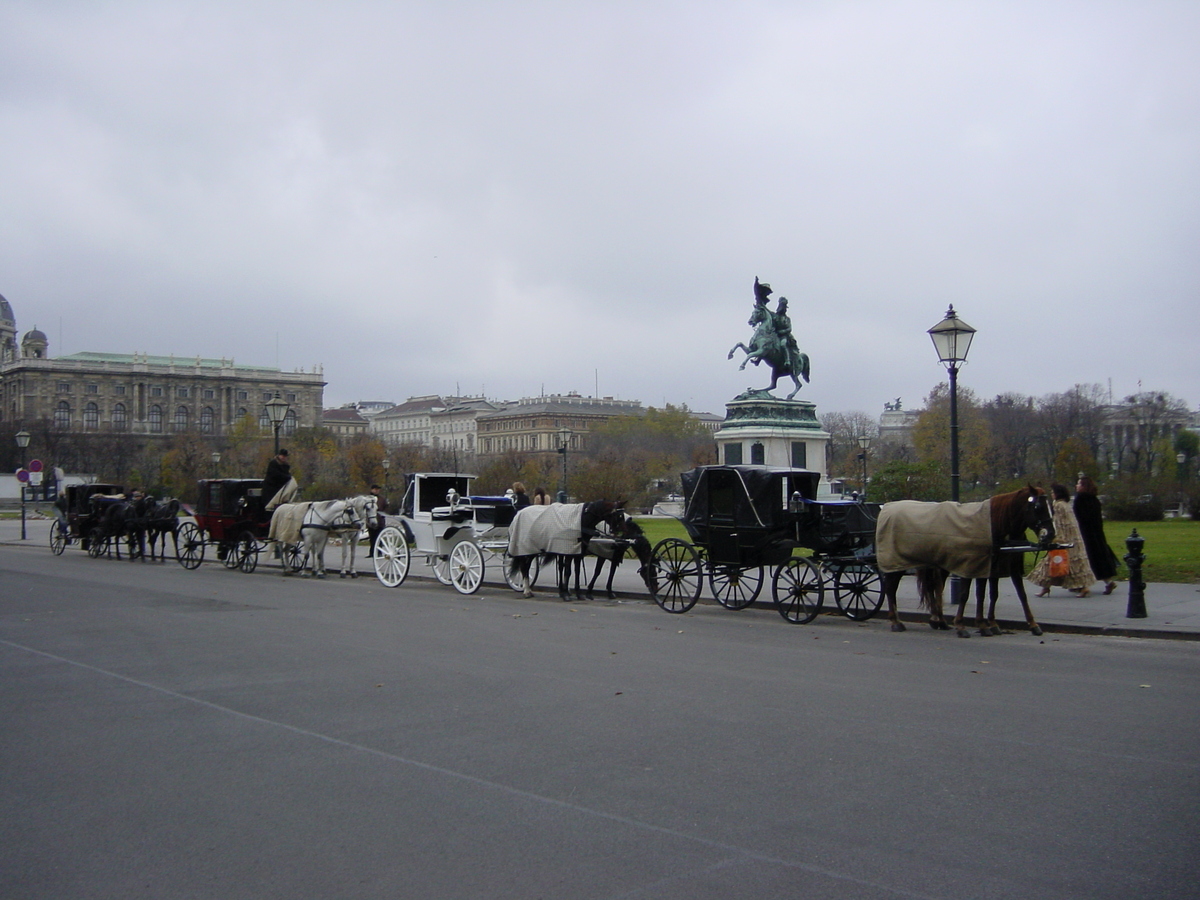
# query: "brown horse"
[[910, 533]]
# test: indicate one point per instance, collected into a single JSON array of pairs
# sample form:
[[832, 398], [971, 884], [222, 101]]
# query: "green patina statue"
[[772, 343]]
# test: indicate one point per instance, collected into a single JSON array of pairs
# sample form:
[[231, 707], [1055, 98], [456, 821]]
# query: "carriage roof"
[[748, 496], [220, 496], [79, 496]]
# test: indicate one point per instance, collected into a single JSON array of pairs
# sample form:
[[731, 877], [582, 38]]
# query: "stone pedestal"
[[771, 432]]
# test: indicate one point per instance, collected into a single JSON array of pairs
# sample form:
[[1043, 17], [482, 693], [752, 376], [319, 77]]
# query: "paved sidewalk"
[[1172, 610]]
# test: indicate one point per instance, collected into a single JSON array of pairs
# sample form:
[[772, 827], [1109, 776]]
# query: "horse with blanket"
[[963, 539], [310, 523], [564, 531]]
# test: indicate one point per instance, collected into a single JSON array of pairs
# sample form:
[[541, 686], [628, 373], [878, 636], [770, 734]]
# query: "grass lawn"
[[1172, 546]]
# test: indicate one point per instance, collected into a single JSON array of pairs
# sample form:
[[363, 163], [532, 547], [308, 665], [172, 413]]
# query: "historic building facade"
[[142, 394], [533, 425]]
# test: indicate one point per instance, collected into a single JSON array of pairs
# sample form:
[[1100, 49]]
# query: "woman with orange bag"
[[1074, 573]]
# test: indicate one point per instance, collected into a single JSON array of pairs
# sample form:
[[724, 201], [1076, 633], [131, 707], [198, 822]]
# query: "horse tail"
[[930, 583]]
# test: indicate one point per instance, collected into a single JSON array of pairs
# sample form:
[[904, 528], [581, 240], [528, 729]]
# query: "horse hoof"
[[353, 574], [321, 575], [1036, 630], [962, 632], [898, 626]]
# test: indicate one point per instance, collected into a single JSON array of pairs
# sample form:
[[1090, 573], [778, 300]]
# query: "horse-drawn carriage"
[[230, 516], [746, 521], [80, 511], [440, 520]]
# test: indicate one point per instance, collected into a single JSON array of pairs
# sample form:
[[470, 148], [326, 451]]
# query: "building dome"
[[34, 344], [36, 335], [6, 313]]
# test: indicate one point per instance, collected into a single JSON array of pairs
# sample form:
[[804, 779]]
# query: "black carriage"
[[230, 517], [747, 521], [80, 514]]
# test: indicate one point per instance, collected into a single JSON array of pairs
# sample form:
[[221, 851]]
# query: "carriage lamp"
[[23, 444], [216, 460], [277, 410], [865, 443], [564, 441]]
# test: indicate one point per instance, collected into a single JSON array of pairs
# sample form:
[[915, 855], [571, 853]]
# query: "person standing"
[[540, 497], [1091, 528], [520, 499], [1066, 531], [375, 525], [278, 485]]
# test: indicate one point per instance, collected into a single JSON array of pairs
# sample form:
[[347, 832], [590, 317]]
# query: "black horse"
[[612, 549], [162, 519], [527, 540]]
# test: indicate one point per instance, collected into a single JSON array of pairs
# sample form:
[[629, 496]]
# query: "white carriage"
[[455, 532]]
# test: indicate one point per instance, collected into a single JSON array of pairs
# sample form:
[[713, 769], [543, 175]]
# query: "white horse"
[[345, 517]]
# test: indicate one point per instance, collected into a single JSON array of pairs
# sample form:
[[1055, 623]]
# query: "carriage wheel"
[[189, 546], [798, 590], [227, 553], [535, 567], [246, 552], [858, 591], [735, 588], [466, 567], [391, 557], [58, 539], [97, 543], [293, 556], [680, 575], [441, 568]]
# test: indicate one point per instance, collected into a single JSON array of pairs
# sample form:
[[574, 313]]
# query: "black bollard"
[[1137, 588]]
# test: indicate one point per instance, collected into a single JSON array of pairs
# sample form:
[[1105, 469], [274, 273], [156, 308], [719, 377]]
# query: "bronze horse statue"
[[772, 342], [915, 540]]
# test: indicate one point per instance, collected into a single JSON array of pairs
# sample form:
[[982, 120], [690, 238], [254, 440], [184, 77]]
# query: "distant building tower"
[[8, 333], [34, 345]]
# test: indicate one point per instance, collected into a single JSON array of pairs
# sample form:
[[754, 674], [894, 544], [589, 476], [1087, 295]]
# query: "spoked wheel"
[[535, 568], [735, 588], [58, 539], [227, 553], [189, 546], [391, 557], [466, 567], [97, 543], [293, 557], [680, 575], [798, 591], [858, 591], [441, 568], [246, 552]]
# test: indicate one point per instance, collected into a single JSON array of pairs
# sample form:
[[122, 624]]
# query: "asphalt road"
[[210, 734]]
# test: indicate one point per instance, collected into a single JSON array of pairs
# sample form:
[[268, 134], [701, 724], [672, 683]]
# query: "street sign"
[[22, 476], [35, 466], [35, 477]]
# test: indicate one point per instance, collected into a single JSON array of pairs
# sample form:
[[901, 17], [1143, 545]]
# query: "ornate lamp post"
[[564, 442], [216, 461], [277, 410], [865, 443], [952, 339], [23, 444], [387, 464]]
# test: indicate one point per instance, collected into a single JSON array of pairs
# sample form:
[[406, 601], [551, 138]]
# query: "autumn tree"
[[931, 436]]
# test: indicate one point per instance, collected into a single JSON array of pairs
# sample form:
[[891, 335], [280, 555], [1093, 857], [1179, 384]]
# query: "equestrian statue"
[[773, 343]]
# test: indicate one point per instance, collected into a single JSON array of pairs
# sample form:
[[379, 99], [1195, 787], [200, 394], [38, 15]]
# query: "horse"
[[564, 530], [612, 548], [936, 539], [335, 516], [161, 518], [125, 519], [765, 346]]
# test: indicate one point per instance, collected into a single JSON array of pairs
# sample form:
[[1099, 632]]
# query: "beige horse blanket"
[[956, 537], [556, 528], [286, 522]]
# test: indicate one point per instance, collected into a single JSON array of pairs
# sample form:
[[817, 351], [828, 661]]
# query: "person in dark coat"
[[278, 477], [376, 525], [519, 498], [1091, 529]]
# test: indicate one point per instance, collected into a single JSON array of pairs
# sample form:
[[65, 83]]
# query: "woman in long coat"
[[1066, 531], [1091, 527]]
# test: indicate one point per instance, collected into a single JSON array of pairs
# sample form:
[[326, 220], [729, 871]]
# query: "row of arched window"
[[156, 418]]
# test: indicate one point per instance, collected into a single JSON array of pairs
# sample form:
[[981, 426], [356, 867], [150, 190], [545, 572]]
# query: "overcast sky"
[[512, 198]]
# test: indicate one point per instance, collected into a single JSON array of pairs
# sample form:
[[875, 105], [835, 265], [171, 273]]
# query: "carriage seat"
[[459, 514]]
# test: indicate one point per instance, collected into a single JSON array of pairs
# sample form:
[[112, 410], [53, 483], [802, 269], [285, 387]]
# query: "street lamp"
[[387, 464], [865, 443], [216, 460], [564, 441], [23, 444], [277, 410], [952, 339]]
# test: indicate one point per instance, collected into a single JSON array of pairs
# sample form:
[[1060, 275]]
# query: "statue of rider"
[[783, 331]]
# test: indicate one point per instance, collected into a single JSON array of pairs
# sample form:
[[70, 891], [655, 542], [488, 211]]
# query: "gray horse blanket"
[[286, 522], [956, 537], [556, 528]]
